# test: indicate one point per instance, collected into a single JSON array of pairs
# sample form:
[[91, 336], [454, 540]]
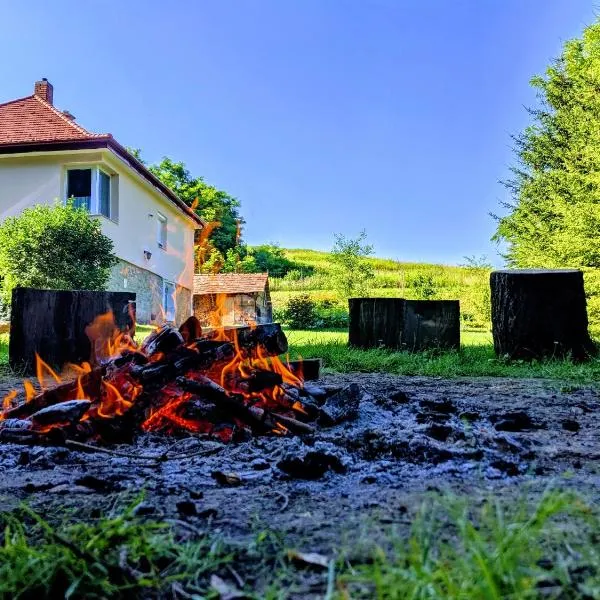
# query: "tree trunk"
[[538, 313], [52, 323], [400, 324]]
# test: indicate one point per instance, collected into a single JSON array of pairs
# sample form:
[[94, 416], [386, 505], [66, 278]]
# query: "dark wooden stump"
[[404, 324], [431, 324], [538, 313], [52, 323]]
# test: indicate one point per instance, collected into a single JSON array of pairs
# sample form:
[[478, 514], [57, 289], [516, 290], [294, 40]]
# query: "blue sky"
[[321, 116]]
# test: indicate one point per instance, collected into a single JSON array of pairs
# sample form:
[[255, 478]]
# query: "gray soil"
[[411, 436]]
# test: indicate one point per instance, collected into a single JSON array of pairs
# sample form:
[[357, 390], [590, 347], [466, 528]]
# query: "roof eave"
[[106, 141]]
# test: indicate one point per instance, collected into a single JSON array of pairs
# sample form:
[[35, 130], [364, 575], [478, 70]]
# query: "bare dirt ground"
[[412, 435]]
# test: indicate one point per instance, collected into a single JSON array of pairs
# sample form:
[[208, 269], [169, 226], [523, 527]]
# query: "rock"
[[513, 421], [399, 397], [144, 508], [311, 463], [571, 425], [509, 468], [97, 484], [259, 464], [441, 405], [186, 508], [439, 432], [208, 512], [342, 406], [314, 390], [428, 417]]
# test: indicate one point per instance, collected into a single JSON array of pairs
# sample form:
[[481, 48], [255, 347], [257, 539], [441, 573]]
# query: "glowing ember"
[[228, 383]]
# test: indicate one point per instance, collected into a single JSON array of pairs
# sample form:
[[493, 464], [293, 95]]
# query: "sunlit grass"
[[456, 548], [476, 358]]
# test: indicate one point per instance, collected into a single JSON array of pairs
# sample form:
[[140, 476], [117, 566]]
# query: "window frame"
[[162, 231], [165, 304], [95, 200]]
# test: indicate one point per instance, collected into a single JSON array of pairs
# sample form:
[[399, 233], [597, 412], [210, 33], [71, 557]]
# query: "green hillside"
[[312, 274]]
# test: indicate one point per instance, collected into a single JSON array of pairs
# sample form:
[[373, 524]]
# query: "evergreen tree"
[[554, 216]]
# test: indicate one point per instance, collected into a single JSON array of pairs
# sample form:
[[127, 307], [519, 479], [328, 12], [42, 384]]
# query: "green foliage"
[[316, 274], [352, 275], [212, 204], [56, 247], [457, 550], [554, 216], [299, 312], [271, 258], [423, 285], [118, 556]]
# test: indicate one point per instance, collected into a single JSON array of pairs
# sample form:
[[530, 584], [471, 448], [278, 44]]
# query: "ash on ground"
[[380, 445]]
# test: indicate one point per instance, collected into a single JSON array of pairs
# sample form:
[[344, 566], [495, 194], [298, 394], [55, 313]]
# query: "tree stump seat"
[[540, 313], [401, 324]]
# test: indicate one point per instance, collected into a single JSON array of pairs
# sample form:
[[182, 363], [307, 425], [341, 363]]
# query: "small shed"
[[232, 299]]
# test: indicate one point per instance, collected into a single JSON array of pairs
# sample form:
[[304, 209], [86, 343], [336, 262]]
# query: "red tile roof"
[[33, 124], [230, 283], [32, 119]]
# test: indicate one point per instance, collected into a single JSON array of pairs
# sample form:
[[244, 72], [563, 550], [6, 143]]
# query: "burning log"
[[163, 340], [190, 329], [255, 416], [267, 336], [169, 384], [89, 383], [70, 411]]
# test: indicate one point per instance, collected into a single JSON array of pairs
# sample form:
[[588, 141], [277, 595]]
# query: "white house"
[[46, 156]]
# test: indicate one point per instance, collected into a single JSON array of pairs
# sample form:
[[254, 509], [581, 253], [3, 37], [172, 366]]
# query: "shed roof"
[[230, 283]]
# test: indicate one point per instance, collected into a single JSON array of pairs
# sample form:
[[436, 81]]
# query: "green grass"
[[459, 551], [455, 548], [476, 358]]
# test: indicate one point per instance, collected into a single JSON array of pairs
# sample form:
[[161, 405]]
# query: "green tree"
[[353, 273], [212, 204], [56, 247], [554, 216]]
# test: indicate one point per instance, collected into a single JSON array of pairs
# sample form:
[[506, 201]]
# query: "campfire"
[[229, 384]]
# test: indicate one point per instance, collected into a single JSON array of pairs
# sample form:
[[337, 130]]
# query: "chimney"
[[44, 90]]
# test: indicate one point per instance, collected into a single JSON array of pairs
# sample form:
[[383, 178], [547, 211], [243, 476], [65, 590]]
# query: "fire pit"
[[229, 384]]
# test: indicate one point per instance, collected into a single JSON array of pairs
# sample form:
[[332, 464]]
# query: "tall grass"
[[459, 551]]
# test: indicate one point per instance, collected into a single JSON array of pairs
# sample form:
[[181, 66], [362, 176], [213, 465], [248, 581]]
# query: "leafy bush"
[[56, 247], [299, 312], [353, 274], [423, 285], [271, 258]]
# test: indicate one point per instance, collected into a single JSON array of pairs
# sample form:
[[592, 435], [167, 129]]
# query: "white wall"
[[27, 180]]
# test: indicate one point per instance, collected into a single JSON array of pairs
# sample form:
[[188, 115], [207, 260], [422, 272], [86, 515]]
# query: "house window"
[[162, 231], [79, 187], [93, 189], [169, 300]]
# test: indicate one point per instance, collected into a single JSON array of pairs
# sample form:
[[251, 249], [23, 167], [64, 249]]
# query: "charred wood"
[[268, 336]]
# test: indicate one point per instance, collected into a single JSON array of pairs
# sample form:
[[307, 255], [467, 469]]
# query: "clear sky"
[[320, 116]]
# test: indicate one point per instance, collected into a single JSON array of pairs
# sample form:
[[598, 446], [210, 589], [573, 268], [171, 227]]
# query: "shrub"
[[353, 273], [423, 285], [299, 312], [56, 247], [271, 258]]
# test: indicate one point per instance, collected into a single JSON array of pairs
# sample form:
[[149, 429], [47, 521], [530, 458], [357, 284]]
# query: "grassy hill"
[[313, 275]]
